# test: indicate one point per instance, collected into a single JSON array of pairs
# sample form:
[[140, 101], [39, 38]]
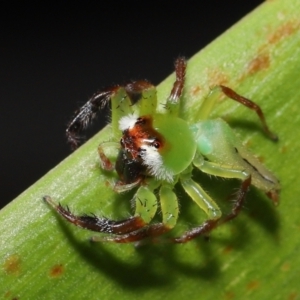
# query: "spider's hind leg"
[[206, 203]]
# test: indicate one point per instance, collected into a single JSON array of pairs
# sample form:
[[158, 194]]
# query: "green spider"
[[158, 149]]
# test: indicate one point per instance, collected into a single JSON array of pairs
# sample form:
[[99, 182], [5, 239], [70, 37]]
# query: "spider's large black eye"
[[156, 144]]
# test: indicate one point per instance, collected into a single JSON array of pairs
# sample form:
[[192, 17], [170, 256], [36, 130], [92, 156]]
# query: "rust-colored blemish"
[[229, 295], [8, 295], [258, 63], [56, 270], [283, 149], [195, 90], [216, 77], [293, 296], [285, 267], [283, 31], [227, 250], [12, 264], [253, 285]]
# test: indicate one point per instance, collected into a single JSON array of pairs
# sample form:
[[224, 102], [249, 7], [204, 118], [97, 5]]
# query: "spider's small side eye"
[[140, 121]]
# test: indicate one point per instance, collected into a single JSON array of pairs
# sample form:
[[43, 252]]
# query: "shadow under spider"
[[159, 264]]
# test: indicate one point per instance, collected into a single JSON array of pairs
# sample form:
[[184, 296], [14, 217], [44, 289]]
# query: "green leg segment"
[[220, 170], [201, 198]]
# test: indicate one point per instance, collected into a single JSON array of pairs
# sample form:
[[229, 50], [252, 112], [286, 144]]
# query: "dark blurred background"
[[53, 57]]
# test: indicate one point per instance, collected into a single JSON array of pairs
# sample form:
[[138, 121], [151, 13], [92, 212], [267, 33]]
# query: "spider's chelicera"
[[158, 149]]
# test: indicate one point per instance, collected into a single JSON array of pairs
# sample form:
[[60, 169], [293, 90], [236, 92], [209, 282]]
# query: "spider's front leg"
[[210, 101], [95, 223], [84, 116], [137, 97], [123, 231], [146, 206]]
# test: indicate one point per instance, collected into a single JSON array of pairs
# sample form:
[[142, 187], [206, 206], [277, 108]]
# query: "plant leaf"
[[256, 255]]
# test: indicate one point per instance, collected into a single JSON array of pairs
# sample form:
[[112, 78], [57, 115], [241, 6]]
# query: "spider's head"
[[156, 141]]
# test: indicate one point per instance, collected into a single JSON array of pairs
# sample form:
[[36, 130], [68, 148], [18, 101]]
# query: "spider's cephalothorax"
[[157, 149]]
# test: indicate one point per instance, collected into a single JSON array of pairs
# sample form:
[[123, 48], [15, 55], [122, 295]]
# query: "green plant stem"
[[255, 256]]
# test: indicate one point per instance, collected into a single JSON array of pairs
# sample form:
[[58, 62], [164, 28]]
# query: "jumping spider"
[[157, 150]]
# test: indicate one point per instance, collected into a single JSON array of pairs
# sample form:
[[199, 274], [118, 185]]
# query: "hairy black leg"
[[203, 229], [84, 116], [150, 231], [209, 225], [238, 203], [97, 224], [250, 104]]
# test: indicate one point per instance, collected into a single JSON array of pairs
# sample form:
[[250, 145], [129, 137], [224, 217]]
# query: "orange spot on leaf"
[[56, 270], [293, 296], [260, 62], [253, 285], [229, 295], [12, 264], [227, 250], [284, 149], [217, 77], [195, 90], [285, 267], [283, 31]]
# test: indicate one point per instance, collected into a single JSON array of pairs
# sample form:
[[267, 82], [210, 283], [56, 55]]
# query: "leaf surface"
[[254, 256]]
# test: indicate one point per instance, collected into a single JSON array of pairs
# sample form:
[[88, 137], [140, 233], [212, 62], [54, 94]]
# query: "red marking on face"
[[141, 134]]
